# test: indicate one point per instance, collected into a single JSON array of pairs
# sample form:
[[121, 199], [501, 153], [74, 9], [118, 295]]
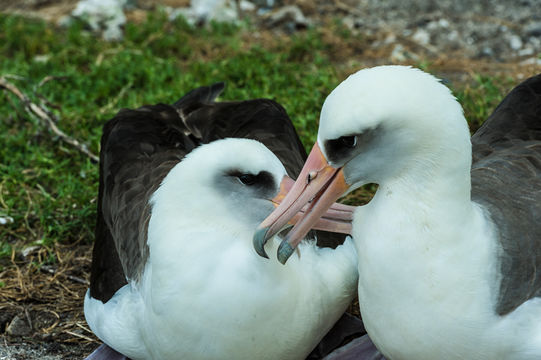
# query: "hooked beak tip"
[[284, 252], [259, 241]]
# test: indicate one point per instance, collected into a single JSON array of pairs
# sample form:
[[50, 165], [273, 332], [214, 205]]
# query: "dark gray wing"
[[138, 148], [506, 180]]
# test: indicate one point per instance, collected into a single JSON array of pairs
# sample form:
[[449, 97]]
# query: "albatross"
[[174, 275], [449, 248]]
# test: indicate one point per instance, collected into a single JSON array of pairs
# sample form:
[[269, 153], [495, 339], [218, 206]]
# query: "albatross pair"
[[449, 249], [174, 274]]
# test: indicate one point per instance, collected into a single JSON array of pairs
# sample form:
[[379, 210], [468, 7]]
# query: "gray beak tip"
[[259, 242], [284, 252]]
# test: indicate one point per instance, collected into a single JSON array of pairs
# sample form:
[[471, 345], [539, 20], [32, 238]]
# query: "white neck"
[[425, 255], [436, 178]]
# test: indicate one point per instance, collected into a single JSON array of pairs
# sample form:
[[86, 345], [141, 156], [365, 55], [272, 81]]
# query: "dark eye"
[[348, 141], [247, 179]]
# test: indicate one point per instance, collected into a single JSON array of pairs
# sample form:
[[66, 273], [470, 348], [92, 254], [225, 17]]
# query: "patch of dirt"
[[41, 307], [49, 10]]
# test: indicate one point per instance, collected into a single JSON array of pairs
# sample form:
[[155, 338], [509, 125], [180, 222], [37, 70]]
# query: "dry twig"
[[80, 336], [45, 117], [50, 270], [111, 104]]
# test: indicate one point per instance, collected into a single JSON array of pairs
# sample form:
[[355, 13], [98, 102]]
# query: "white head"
[[380, 121], [225, 185]]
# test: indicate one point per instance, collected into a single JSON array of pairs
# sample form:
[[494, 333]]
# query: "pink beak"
[[309, 204]]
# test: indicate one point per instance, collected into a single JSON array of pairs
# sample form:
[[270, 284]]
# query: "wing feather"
[[506, 180]]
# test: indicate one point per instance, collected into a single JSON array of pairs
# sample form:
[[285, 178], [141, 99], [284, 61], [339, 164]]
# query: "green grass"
[[50, 189], [481, 97]]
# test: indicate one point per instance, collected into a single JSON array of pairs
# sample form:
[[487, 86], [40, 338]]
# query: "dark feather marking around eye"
[[263, 179], [340, 149], [247, 179], [348, 141]]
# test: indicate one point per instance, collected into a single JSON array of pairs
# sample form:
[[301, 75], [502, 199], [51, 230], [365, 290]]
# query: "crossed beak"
[[309, 204]]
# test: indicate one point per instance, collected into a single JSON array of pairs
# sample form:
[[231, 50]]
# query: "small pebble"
[[4, 220]]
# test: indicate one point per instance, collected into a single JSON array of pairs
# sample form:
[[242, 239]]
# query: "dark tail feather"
[[195, 100], [104, 352], [360, 348], [201, 95]]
